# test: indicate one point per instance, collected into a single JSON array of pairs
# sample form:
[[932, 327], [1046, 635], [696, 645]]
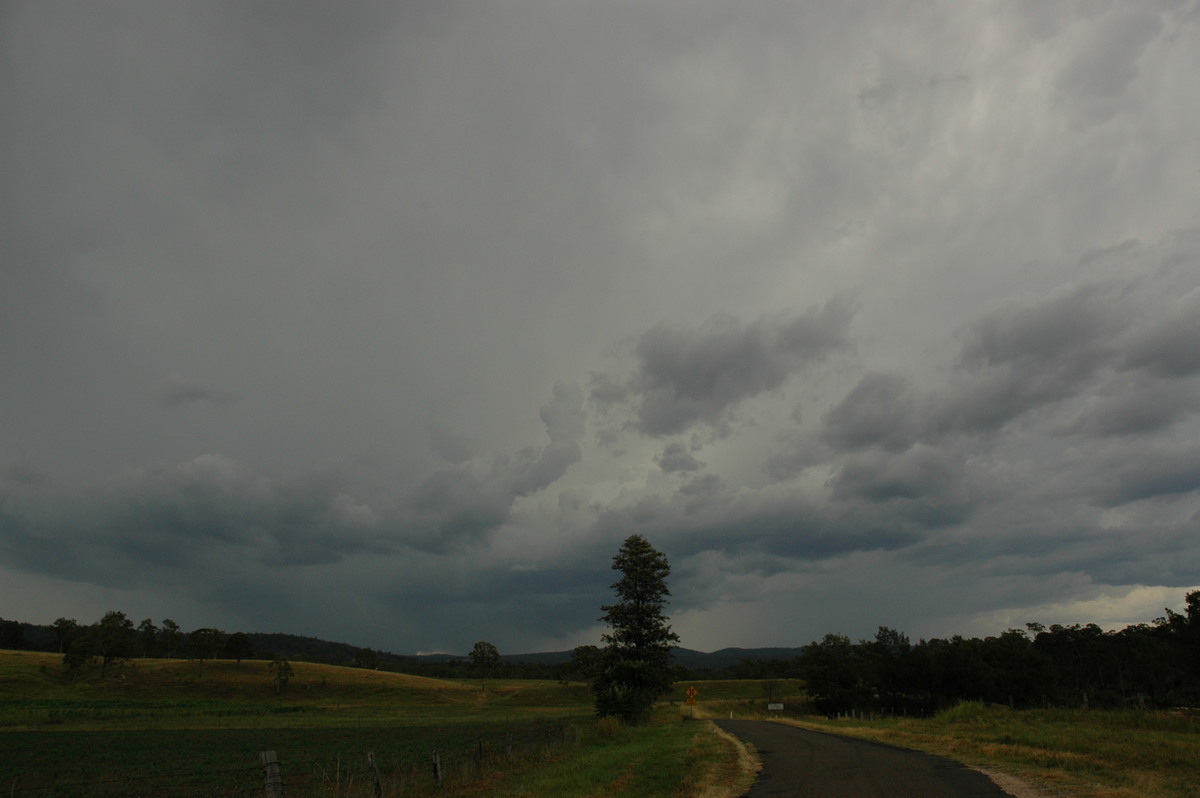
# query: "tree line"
[[1145, 665], [626, 676], [114, 637], [1155, 664]]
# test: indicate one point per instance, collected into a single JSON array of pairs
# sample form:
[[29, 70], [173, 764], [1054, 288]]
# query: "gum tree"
[[636, 660], [485, 657], [114, 636]]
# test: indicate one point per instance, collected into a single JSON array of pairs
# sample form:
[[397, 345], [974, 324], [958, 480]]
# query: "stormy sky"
[[387, 323]]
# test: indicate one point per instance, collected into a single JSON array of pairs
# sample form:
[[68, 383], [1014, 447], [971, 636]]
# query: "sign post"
[[691, 699]]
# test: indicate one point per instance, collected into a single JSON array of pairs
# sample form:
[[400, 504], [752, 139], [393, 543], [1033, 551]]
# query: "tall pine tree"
[[637, 653]]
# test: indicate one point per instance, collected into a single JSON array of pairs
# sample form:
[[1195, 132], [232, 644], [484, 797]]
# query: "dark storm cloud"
[[878, 411], [466, 503], [1159, 554], [704, 487], [685, 377], [1094, 340], [676, 458], [916, 474], [1100, 73], [705, 516], [564, 415], [607, 389], [151, 521], [1128, 408], [797, 451], [175, 391], [1025, 356], [1058, 545], [1165, 345], [448, 445], [455, 506], [145, 522], [387, 229], [21, 473], [506, 606], [1084, 382], [1171, 472], [135, 116], [1069, 331]]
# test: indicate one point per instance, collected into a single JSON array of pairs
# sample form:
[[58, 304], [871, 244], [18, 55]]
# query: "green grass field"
[[178, 728], [170, 727]]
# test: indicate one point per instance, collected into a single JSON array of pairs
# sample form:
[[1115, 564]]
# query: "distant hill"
[[316, 650], [728, 657], [313, 649], [343, 653], [688, 658], [300, 647]]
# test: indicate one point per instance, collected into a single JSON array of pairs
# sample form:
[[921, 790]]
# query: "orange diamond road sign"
[[691, 694]]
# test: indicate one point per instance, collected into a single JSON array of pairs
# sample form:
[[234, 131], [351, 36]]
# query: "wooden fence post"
[[272, 778], [375, 773], [437, 768]]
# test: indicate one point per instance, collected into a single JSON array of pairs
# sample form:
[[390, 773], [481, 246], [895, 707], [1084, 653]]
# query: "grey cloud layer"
[[1123, 346], [155, 521], [158, 520], [904, 462], [858, 293]]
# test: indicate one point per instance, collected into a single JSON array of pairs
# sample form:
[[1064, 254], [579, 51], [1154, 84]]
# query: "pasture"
[[176, 727], [184, 728]]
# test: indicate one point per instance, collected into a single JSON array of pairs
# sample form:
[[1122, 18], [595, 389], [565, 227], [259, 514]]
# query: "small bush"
[[608, 726], [972, 712], [631, 703]]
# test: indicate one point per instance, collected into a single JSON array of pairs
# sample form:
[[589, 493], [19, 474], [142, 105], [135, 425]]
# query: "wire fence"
[[440, 766]]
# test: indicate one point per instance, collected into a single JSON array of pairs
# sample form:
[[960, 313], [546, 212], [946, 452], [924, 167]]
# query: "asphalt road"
[[799, 762]]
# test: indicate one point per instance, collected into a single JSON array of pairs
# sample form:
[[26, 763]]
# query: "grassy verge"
[[668, 757], [1091, 754]]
